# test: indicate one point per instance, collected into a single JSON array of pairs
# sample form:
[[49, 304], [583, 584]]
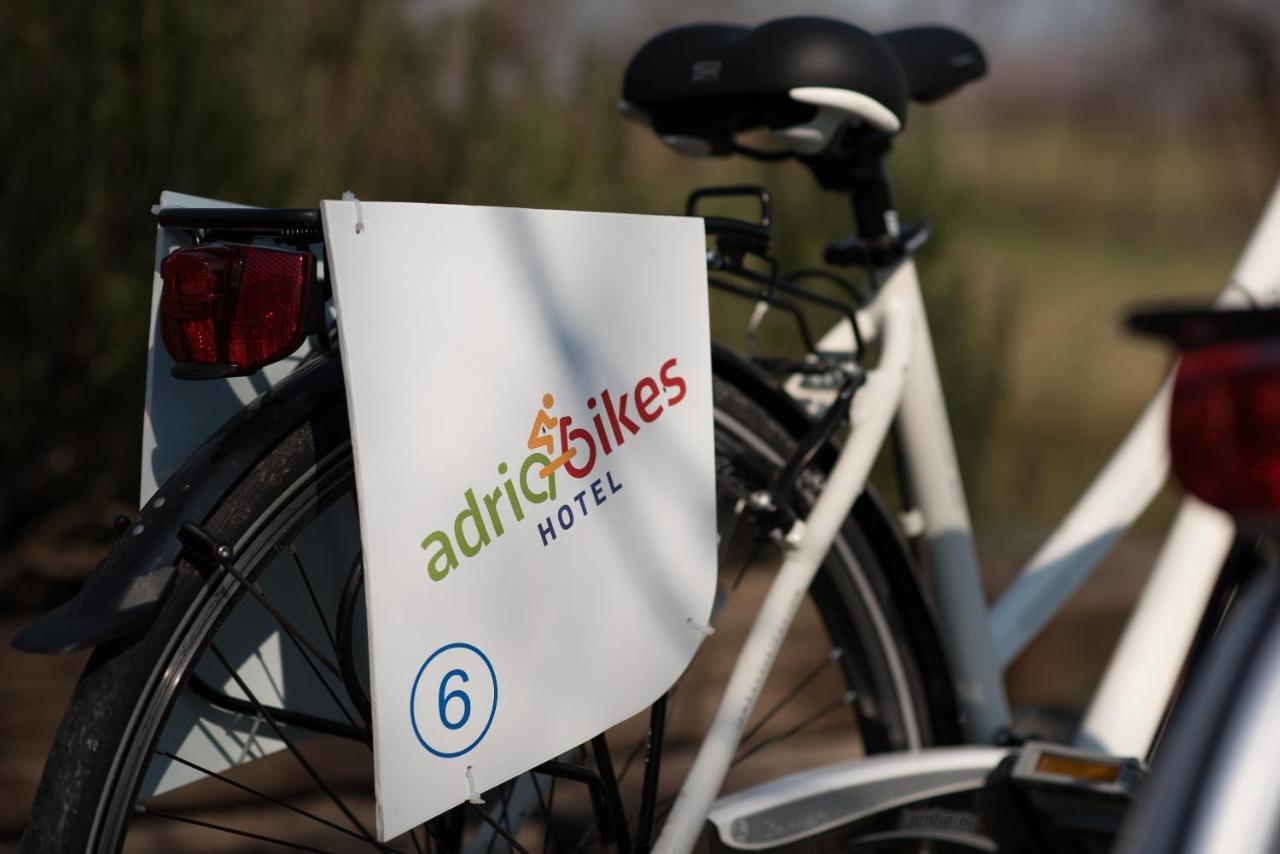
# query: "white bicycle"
[[227, 702]]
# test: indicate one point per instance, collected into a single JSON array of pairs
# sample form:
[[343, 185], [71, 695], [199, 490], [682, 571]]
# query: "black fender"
[[125, 590], [882, 535]]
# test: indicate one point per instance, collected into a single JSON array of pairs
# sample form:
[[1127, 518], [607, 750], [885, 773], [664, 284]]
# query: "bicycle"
[[270, 492]]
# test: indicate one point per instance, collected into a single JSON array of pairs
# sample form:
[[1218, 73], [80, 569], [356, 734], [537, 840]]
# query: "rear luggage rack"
[[290, 225]]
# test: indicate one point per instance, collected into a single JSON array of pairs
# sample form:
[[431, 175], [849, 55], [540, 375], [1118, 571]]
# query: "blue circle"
[[413, 720]]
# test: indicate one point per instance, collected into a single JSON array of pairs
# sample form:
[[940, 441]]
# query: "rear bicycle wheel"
[[228, 725]]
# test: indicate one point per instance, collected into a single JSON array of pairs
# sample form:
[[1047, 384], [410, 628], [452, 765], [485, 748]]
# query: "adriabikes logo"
[[557, 442]]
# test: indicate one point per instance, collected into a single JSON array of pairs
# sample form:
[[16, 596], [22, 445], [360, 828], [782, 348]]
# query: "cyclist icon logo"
[[543, 438]]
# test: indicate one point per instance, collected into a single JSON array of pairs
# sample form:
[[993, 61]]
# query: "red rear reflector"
[[236, 307], [1224, 427]]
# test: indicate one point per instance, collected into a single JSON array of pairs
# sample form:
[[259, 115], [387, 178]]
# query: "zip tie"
[[795, 536], [349, 196], [1237, 285], [705, 631], [473, 797]]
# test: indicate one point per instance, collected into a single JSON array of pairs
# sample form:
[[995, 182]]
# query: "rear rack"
[[293, 225]]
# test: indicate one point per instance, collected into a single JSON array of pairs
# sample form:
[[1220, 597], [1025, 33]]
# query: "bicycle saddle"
[[804, 78]]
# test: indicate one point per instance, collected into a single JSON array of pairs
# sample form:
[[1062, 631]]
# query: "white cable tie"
[[349, 196], [473, 797], [795, 536], [912, 522], [1243, 289], [705, 631]]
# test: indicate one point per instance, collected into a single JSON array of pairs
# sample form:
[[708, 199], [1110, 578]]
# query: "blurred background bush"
[[1117, 152]]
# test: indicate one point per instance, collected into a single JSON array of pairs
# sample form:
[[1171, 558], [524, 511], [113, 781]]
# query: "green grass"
[[1049, 223]]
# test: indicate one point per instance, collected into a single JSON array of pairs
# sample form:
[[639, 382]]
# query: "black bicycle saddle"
[[698, 85]]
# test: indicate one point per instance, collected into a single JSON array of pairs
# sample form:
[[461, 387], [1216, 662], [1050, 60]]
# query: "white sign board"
[[530, 396]]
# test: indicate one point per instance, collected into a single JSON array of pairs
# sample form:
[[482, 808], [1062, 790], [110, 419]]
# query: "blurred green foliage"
[[108, 104], [103, 105]]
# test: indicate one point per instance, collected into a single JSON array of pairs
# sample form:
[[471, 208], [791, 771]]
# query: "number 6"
[[458, 694]]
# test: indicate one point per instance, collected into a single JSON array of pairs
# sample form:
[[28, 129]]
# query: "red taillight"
[[234, 307], [1224, 429]]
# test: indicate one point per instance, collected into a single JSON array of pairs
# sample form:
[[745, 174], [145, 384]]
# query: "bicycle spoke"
[[288, 742], [730, 539], [652, 770], [202, 689], [746, 564], [502, 831], [663, 810], [173, 816], [284, 621], [504, 793], [346, 653], [548, 836], [315, 600], [431, 833], [304, 647], [673, 697], [668, 704], [542, 802], [413, 837], [835, 655], [631, 758], [665, 805], [324, 683], [748, 752], [604, 764], [739, 510], [264, 796]]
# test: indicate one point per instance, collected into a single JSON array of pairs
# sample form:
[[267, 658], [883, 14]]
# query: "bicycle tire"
[[104, 745]]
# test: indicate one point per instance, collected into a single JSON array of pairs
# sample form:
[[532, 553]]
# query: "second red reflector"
[[1224, 426]]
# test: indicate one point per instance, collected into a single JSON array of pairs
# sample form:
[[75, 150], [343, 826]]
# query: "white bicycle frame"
[[1140, 678]]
